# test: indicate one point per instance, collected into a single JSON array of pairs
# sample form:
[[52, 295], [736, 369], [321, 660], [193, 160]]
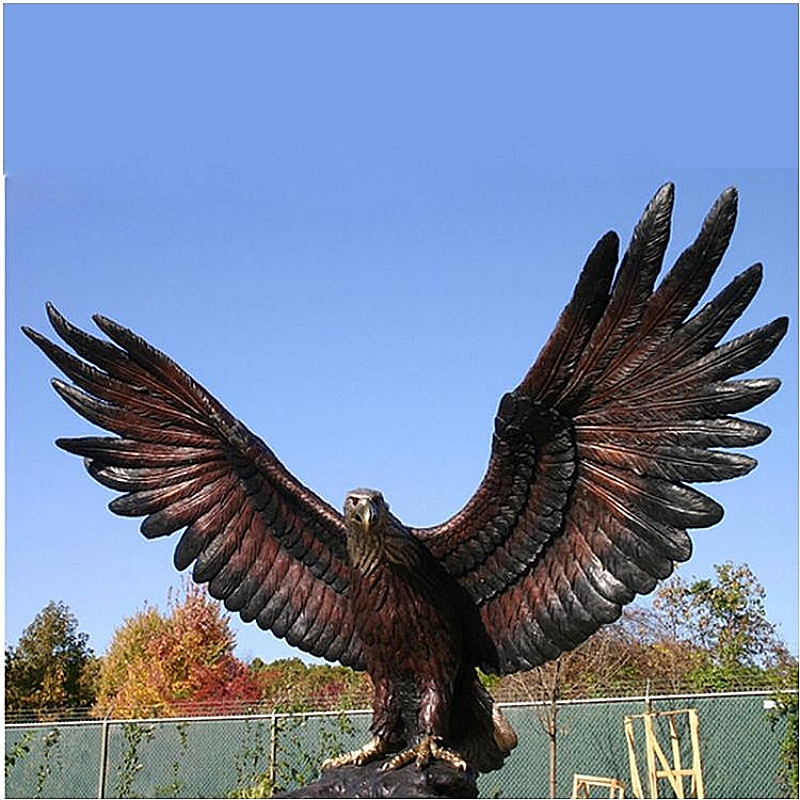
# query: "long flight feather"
[[631, 290]]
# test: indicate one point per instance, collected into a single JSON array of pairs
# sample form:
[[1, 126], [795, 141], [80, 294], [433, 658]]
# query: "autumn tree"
[[175, 664], [289, 684], [52, 665]]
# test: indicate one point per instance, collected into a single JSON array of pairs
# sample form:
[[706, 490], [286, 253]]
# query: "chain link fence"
[[249, 756]]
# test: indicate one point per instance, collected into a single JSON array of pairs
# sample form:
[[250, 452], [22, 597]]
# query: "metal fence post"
[[101, 782], [273, 747]]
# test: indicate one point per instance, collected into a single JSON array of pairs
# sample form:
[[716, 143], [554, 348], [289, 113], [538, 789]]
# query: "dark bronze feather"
[[633, 394], [585, 502], [185, 463]]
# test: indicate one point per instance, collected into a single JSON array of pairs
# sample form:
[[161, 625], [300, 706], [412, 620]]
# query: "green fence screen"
[[238, 756]]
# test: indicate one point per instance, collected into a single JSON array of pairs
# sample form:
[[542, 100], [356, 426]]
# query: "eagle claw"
[[372, 749], [429, 747]]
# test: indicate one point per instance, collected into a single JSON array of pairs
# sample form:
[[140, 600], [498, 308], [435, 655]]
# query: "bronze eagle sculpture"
[[584, 505]]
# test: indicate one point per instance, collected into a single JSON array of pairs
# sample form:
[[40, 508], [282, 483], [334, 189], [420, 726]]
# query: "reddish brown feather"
[[631, 291], [185, 462], [577, 321], [643, 394], [682, 287], [688, 343], [584, 502]]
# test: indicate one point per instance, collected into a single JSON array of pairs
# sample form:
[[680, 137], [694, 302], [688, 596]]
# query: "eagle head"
[[365, 511], [371, 528]]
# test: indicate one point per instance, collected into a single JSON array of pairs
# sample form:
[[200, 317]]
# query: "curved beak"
[[365, 513]]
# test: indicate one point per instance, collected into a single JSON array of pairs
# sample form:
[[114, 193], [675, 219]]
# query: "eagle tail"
[[480, 732]]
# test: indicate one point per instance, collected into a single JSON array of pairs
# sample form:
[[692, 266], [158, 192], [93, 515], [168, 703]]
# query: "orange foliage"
[[175, 665]]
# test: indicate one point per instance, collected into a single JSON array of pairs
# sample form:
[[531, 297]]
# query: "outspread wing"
[[585, 502], [266, 545]]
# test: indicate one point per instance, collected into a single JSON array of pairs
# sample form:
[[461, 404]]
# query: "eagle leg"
[[427, 748], [374, 748]]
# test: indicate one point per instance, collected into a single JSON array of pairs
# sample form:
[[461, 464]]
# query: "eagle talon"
[[372, 749], [426, 749]]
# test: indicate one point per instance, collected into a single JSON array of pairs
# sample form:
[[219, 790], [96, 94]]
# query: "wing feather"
[[568, 340], [263, 543], [586, 502], [632, 289]]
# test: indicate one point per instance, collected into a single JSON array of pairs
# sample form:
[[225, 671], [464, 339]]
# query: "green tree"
[[52, 665], [722, 622], [784, 712]]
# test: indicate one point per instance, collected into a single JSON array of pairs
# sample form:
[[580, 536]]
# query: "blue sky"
[[356, 225]]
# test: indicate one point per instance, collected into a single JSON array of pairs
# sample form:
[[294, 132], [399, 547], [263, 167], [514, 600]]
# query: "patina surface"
[[584, 505]]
